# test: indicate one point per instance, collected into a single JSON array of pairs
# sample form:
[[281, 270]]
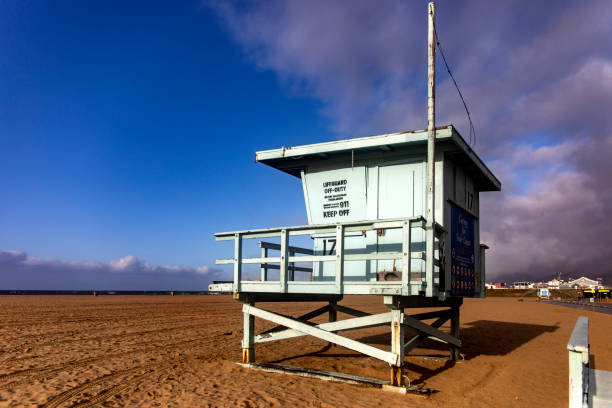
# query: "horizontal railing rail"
[[286, 259], [323, 228]]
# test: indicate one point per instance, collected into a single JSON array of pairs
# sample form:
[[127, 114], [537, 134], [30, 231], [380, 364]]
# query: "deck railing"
[[287, 259]]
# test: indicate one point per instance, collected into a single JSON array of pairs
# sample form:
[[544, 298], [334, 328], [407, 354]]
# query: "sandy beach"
[[182, 351]]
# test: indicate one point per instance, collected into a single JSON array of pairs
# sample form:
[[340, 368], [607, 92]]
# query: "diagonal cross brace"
[[347, 324], [351, 344], [349, 311], [429, 330], [306, 316], [418, 339]]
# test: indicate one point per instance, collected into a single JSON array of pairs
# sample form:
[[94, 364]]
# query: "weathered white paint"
[[322, 334]]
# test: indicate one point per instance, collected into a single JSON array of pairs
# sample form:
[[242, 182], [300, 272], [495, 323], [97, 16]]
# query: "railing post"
[[429, 260], [284, 260], [237, 261], [291, 267], [339, 258], [406, 259], [264, 270]]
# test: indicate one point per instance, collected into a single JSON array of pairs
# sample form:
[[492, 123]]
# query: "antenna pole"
[[431, 135]]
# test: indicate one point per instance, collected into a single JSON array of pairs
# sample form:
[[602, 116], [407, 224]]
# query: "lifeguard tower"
[[394, 216]]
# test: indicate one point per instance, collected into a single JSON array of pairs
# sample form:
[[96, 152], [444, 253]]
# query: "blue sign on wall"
[[463, 276]]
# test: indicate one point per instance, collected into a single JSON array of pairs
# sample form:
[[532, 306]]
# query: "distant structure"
[[496, 285], [556, 283], [584, 283], [544, 293], [523, 285]]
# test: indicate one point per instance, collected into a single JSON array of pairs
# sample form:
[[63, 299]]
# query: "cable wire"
[[472, 129]]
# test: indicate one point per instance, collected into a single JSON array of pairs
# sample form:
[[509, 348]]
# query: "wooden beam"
[[406, 259], [397, 347], [418, 339], [264, 267], [237, 261], [351, 344], [336, 326], [432, 315], [291, 268], [349, 311], [307, 316], [284, 260], [339, 258], [248, 339], [297, 250], [429, 330]]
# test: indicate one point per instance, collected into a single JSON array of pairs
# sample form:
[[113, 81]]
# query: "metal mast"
[[431, 136]]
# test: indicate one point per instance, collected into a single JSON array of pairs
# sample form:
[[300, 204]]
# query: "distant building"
[[522, 285], [496, 285], [554, 283], [583, 283]]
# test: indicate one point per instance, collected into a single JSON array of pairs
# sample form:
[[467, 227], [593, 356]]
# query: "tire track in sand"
[[112, 391], [116, 325], [106, 337], [66, 395], [150, 368], [44, 372]]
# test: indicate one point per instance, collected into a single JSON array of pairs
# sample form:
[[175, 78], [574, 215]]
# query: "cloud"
[[538, 80], [338, 54], [19, 271], [559, 221]]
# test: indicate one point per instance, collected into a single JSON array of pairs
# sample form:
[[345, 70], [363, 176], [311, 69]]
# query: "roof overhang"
[[293, 160]]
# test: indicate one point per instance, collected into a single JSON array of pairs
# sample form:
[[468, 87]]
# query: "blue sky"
[[128, 130], [133, 131]]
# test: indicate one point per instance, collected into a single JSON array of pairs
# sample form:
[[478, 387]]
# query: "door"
[[401, 194]]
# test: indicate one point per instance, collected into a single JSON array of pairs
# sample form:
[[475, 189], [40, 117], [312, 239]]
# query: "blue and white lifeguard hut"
[[393, 215]]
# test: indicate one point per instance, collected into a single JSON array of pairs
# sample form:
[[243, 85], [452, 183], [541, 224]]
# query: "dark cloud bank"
[[19, 271], [537, 77]]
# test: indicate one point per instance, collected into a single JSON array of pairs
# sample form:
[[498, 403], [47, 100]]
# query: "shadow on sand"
[[321, 353], [481, 337]]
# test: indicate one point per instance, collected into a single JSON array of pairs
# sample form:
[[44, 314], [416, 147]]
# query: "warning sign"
[[335, 202], [337, 195]]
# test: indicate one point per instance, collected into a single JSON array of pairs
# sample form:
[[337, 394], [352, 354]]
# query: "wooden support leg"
[[248, 339], [397, 347], [333, 315], [454, 350]]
